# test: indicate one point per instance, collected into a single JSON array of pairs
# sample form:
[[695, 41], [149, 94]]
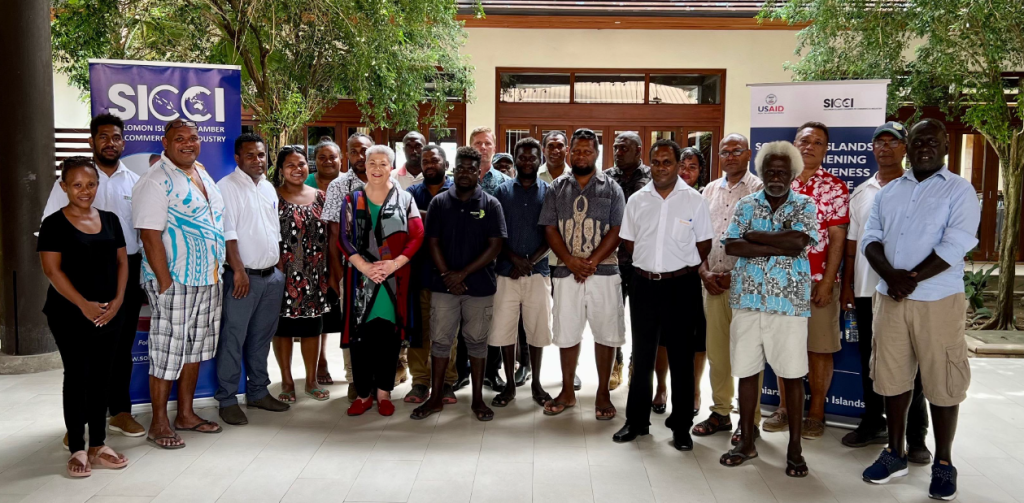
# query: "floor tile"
[[384, 481]]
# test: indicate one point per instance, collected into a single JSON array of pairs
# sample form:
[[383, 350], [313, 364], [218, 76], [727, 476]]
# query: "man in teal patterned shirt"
[[771, 294]]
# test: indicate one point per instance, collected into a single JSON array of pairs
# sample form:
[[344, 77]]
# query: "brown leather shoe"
[[777, 422], [267, 403], [126, 425], [233, 415], [812, 429]]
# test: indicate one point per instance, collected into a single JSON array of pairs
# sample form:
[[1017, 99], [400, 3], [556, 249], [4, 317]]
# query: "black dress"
[[90, 263]]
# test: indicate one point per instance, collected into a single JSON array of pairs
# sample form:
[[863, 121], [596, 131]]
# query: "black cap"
[[892, 127]]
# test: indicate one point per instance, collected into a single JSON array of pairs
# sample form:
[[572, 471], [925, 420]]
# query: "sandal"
[[324, 379], [738, 456], [155, 442], [99, 459], [713, 424], [605, 413], [83, 458], [796, 470], [484, 415], [286, 396], [422, 413], [735, 440], [200, 424], [550, 411], [502, 400], [324, 394], [542, 399]]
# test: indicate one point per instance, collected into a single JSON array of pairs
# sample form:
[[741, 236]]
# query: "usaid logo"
[[838, 103], [771, 105], [166, 103]]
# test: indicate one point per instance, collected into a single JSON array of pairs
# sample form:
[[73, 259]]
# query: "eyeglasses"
[[887, 143], [182, 123], [466, 169], [734, 153]]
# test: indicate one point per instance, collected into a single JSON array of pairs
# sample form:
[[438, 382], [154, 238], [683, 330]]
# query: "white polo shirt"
[[665, 231], [113, 194], [250, 217], [865, 279]]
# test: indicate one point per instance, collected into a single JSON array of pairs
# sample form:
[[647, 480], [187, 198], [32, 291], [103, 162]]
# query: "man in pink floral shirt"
[[831, 196]]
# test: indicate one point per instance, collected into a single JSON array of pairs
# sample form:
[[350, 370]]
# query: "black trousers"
[[874, 404], [374, 352], [118, 396], [662, 313], [87, 353]]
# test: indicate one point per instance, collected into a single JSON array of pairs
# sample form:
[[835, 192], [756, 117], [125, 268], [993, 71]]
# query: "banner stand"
[[851, 110]]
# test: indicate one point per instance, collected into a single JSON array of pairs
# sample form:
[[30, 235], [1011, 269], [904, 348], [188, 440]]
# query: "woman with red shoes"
[[381, 231]]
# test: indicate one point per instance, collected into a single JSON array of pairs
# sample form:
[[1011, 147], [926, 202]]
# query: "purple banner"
[[147, 95]]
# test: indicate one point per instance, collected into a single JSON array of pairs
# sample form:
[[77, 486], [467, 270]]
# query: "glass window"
[[512, 136], [313, 136], [662, 135], [686, 89], [535, 87], [447, 139], [609, 88]]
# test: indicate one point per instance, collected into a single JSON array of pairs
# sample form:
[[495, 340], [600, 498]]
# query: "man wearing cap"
[[503, 162], [920, 227], [859, 281]]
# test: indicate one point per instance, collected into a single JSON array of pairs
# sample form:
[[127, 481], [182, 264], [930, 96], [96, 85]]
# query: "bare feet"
[[661, 398], [164, 436], [195, 423], [564, 400]]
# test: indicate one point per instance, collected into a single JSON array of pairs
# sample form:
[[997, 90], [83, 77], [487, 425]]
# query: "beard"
[[436, 179], [105, 159], [781, 190], [582, 171], [526, 176]]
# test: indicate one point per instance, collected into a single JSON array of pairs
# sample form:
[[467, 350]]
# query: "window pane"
[[662, 135], [395, 142], [446, 138], [609, 88], [535, 87], [512, 136], [685, 89], [313, 136]]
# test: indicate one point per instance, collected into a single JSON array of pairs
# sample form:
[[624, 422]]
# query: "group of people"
[[461, 274]]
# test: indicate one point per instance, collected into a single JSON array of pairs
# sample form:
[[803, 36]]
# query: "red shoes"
[[385, 407], [360, 406]]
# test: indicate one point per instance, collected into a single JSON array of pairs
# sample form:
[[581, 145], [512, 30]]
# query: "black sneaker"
[[943, 485], [886, 467], [861, 437], [461, 383]]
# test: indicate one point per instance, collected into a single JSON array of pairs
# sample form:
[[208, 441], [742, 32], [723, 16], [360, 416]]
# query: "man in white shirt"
[[411, 172], [253, 285], [667, 230], [114, 194], [859, 282], [555, 145]]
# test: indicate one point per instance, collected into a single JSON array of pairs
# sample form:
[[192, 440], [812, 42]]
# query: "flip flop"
[[796, 468], [502, 401], [604, 413], [556, 403], [735, 453], [98, 459], [429, 412], [325, 395], [542, 399], [286, 396], [484, 415], [82, 458], [324, 379], [155, 442], [200, 425]]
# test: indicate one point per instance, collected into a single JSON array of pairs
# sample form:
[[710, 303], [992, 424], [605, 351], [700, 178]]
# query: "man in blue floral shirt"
[[771, 294]]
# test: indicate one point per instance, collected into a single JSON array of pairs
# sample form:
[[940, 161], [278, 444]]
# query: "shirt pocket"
[[682, 231], [932, 212]]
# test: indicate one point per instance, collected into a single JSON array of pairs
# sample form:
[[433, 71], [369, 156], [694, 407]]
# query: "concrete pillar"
[[26, 174]]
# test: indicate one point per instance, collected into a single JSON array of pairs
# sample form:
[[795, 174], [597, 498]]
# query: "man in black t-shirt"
[[465, 229]]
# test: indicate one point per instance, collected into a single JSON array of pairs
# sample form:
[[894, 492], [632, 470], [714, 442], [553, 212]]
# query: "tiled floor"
[[316, 453]]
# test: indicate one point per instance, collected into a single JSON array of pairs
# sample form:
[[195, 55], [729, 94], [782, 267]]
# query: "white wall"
[[749, 56], [69, 111]]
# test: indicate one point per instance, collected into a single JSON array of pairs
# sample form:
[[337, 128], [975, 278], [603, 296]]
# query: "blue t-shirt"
[[521, 207], [422, 265], [464, 228]]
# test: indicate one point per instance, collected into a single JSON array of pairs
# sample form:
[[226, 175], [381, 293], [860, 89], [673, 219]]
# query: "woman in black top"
[[83, 254]]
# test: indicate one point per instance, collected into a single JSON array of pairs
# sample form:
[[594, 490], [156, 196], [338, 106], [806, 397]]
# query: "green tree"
[[947, 53], [298, 57]]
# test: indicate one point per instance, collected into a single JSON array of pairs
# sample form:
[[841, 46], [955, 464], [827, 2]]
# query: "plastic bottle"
[[850, 326]]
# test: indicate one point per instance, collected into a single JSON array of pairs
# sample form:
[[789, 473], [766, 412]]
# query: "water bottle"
[[850, 325]]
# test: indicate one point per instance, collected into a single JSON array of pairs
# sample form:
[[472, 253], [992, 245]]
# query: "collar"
[[243, 175], [477, 194], [679, 187], [405, 172], [536, 182], [544, 168], [760, 196], [942, 172], [199, 167], [743, 181], [120, 170]]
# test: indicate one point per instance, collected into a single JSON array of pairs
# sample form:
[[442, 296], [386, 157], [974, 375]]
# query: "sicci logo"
[[162, 107]]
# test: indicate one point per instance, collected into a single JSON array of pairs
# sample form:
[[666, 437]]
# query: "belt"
[[260, 272], [657, 276]]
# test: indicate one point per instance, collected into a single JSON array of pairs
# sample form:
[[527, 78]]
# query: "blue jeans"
[[247, 328]]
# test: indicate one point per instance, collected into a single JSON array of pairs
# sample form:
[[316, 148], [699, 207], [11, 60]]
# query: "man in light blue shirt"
[[921, 226]]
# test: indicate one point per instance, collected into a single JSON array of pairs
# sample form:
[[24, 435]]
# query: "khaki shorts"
[[823, 325], [532, 296], [597, 302], [756, 337], [929, 335]]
